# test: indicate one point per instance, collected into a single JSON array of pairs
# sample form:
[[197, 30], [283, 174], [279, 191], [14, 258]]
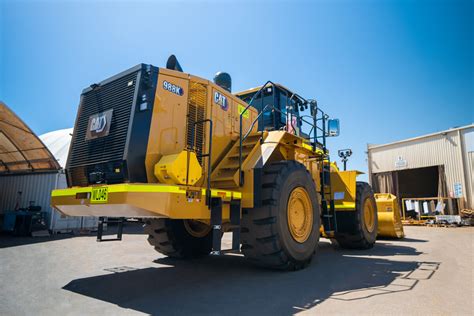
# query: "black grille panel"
[[118, 95]]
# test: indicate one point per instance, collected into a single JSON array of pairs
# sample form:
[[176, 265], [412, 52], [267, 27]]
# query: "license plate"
[[99, 195]]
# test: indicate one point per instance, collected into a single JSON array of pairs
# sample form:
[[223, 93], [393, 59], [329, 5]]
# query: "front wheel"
[[362, 223], [284, 232]]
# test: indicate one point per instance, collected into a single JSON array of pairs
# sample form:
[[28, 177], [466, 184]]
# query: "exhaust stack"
[[173, 64], [223, 80]]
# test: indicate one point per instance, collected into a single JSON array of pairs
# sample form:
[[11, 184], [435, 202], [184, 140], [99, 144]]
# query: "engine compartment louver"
[[105, 153], [117, 95], [196, 113]]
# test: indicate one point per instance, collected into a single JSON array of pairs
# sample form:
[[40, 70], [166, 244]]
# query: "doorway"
[[418, 183]]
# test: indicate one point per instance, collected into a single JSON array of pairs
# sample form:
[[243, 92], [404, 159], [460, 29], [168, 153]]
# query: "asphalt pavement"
[[429, 272]]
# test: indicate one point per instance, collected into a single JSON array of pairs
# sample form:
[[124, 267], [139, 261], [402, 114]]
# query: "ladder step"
[[223, 179], [245, 150], [231, 166], [224, 175], [105, 220], [224, 184], [246, 145], [224, 172], [254, 136], [225, 251], [216, 224], [236, 155]]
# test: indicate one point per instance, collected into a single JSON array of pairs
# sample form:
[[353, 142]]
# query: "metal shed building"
[[434, 165], [31, 167]]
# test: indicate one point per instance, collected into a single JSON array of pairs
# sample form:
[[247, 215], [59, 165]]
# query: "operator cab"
[[287, 107], [282, 109]]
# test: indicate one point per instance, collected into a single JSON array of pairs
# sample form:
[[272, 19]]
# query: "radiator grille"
[[196, 112], [117, 95]]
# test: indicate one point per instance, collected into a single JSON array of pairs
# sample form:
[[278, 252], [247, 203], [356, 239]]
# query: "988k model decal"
[[172, 88]]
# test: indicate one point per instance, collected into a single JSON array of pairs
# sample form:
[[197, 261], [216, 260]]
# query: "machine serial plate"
[[99, 195]]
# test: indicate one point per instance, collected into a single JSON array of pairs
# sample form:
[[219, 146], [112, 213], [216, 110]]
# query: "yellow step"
[[224, 184], [230, 164], [226, 174], [245, 152]]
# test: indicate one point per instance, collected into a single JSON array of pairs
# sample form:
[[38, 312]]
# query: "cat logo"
[[99, 125], [221, 99]]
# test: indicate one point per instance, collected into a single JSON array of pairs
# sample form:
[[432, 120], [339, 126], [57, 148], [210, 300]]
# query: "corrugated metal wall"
[[36, 187], [467, 137], [59, 222], [438, 149]]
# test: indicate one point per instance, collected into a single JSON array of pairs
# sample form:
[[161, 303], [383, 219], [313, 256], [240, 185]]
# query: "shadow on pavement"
[[8, 240], [230, 285], [384, 248], [406, 239]]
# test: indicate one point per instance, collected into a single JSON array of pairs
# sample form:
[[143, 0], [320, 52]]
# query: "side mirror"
[[333, 127]]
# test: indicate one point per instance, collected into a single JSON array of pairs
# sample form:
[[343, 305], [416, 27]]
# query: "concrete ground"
[[430, 272]]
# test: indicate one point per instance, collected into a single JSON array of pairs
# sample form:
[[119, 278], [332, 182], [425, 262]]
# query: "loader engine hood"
[[113, 114]]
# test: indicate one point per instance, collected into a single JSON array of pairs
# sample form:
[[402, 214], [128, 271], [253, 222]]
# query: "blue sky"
[[388, 70]]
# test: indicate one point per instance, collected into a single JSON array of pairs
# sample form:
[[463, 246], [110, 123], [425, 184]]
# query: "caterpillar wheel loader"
[[194, 161]]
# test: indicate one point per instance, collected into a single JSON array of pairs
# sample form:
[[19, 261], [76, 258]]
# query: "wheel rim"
[[369, 215], [300, 215], [196, 229]]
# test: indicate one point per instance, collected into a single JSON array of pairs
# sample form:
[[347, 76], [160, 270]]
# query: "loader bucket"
[[390, 222]]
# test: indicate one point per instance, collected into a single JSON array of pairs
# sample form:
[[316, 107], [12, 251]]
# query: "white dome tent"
[[58, 143]]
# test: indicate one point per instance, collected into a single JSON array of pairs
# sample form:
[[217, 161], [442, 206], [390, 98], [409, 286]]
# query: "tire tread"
[[358, 239], [260, 241]]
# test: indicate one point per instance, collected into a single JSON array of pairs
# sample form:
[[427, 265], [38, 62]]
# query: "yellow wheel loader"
[[194, 161]]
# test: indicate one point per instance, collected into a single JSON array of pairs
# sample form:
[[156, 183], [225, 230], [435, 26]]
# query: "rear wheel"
[[284, 232], [179, 238], [363, 222]]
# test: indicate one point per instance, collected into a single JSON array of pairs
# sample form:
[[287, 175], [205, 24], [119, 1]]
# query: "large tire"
[[266, 237], [172, 238], [364, 230]]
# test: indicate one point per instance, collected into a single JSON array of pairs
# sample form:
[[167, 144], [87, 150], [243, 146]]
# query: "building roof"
[[20, 149], [454, 129]]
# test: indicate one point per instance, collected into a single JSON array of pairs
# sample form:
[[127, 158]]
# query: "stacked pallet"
[[467, 216]]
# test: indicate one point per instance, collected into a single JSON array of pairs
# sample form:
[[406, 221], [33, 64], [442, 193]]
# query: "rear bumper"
[[141, 200]]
